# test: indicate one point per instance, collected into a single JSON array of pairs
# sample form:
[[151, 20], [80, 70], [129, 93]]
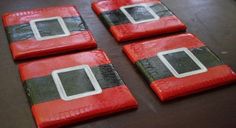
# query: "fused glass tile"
[[133, 19], [179, 65], [84, 84], [53, 30]]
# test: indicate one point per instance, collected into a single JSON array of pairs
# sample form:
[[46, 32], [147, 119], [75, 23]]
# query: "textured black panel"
[[181, 62], [154, 69], [49, 28], [75, 82], [46, 28], [206, 56], [139, 13], [43, 89], [19, 32], [115, 17]]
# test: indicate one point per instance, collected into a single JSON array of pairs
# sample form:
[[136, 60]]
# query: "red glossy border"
[[150, 48], [59, 113], [21, 17], [33, 48], [45, 67], [109, 5], [126, 32], [172, 87]]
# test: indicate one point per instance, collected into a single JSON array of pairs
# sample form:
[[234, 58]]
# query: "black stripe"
[[24, 31], [43, 89], [117, 17], [154, 69]]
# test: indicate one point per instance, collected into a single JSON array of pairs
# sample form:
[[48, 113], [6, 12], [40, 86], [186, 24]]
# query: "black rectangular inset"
[[181, 62], [49, 28], [76, 82], [139, 13]]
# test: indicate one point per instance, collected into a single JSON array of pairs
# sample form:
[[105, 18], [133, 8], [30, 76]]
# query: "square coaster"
[[72, 88], [53, 30], [179, 65], [133, 19]]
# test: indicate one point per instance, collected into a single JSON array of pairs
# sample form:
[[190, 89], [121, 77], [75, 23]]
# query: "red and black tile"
[[45, 31], [133, 19], [179, 65], [73, 88]]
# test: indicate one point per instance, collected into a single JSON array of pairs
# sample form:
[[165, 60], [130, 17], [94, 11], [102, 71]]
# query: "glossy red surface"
[[109, 5], [126, 32], [149, 48], [31, 47], [59, 113], [44, 67], [172, 87], [21, 17]]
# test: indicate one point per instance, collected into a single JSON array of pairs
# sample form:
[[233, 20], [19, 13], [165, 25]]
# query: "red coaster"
[[179, 65], [72, 88], [133, 19], [40, 32]]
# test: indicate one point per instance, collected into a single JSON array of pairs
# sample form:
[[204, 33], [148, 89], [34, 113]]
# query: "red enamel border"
[[126, 32], [59, 113], [45, 67], [34, 48], [109, 5], [149, 48], [22, 17], [172, 87]]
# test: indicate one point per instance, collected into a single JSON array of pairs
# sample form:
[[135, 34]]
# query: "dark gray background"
[[213, 21]]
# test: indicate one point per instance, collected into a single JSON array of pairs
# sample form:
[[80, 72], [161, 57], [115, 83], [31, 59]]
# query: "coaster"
[[45, 31], [179, 65], [133, 19], [73, 88]]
